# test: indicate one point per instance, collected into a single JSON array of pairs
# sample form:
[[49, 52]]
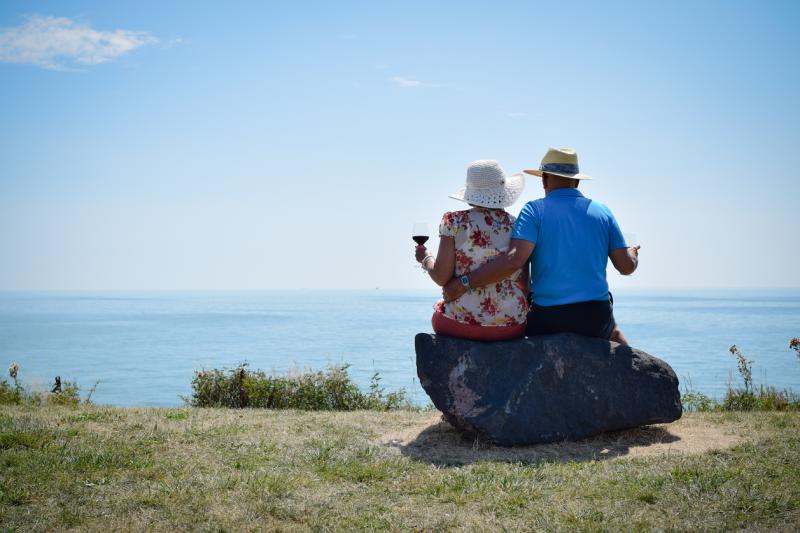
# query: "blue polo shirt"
[[573, 236]]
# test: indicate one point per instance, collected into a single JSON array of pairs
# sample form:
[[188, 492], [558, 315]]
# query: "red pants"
[[452, 328]]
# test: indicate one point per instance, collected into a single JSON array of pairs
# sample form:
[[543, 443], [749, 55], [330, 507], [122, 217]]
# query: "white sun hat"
[[488, 186]]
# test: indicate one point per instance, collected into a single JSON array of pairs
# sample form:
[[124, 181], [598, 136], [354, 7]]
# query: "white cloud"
[[49, 42], [410, 82]]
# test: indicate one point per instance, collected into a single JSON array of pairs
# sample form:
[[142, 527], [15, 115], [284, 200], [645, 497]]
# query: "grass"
[[368, 463], [102, 468], [331, 390]]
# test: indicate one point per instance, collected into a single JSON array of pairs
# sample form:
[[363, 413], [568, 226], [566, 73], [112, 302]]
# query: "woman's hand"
[[453, 290], [420, 253]]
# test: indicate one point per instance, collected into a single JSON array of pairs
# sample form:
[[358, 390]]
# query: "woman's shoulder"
[[499, 217], [456, 216], [462, 213], [453, 222], [507, 217]]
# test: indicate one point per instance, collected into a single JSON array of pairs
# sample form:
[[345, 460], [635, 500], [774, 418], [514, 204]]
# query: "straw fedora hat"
[[488, 186], [560, 162]]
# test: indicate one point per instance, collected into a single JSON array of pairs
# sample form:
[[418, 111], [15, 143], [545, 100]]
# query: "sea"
[[143, 348]]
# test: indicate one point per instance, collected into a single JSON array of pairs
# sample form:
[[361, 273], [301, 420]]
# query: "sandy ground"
[[436, 441]]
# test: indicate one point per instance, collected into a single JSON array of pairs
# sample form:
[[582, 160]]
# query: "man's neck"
[[548, 190]]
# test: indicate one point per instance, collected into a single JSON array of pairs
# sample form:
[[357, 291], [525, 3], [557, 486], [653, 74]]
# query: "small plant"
[[329, 390], [11, 394], [741, 399], [745, 368], [88, 399]]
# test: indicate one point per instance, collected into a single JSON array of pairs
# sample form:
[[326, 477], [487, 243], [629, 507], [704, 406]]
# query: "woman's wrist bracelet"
[[424, 259]]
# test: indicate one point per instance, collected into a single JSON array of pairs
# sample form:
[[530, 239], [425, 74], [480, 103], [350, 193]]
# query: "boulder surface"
[[545, 389]]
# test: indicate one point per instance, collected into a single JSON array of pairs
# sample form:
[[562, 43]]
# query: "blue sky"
[[188, 145]]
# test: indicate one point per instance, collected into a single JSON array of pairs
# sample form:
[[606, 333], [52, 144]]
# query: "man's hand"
[[420, 252], [625, 260], [453, 290]]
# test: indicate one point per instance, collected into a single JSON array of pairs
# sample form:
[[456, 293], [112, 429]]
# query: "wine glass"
[[419, 232]]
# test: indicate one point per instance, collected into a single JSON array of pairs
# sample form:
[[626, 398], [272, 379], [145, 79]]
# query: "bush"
[[68, 395], [9, 394], [764, 399], [698, 402], [329, 390], [17, 394]]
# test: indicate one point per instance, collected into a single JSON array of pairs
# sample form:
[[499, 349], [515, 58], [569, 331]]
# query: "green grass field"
[[103, 469]]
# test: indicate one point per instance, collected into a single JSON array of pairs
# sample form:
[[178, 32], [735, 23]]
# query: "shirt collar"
[[566, 192]]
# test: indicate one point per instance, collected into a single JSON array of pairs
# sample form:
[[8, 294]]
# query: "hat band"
[[566, 168]]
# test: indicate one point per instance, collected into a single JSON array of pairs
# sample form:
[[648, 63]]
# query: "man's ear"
[[544, 181]]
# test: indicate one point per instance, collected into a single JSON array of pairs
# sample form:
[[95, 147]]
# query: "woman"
[[469, 238]]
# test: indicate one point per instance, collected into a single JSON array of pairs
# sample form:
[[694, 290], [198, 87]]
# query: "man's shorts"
[[593, 319]]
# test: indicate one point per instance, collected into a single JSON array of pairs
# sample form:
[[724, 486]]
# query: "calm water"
[[144, 347]]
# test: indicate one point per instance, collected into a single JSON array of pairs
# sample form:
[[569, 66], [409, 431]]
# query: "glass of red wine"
[[420, 233]]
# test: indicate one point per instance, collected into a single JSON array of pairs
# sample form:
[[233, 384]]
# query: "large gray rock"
[[545, 389]]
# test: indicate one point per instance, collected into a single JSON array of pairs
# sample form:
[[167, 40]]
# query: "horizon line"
[[372, 289]]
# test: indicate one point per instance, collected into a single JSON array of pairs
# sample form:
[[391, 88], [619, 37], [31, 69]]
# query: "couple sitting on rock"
[[482, 262]]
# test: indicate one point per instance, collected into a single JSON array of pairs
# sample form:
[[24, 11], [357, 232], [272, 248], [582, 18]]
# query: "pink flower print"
[[478, 238], [469, 318], [489, 307], [463, 261], [488, 220]]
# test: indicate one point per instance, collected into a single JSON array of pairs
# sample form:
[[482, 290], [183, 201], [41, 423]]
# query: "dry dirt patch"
[[434, 440]]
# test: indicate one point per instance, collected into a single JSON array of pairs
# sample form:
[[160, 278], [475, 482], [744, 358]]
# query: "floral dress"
[[480, 234]]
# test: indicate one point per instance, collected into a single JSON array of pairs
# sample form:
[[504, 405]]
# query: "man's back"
[[573, 237]]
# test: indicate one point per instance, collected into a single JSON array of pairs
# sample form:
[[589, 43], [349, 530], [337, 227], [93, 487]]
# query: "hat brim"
[[578, 176], [503, 196]]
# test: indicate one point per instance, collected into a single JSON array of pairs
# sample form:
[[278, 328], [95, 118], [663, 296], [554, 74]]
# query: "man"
[[568, 238]]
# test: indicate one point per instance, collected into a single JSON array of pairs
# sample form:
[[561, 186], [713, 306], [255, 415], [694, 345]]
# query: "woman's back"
[[480, 234]]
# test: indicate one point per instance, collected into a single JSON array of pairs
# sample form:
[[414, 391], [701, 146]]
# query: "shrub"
[[698, 402], [68, 395], [9, 394], [764, 399], [17, 394], [329, 390]]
